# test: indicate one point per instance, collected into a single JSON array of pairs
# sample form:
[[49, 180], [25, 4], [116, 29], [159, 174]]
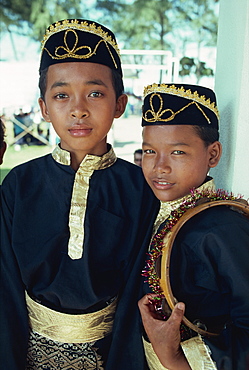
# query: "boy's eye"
[[178, 152], [95, 94], [148, 151], [61, 96]]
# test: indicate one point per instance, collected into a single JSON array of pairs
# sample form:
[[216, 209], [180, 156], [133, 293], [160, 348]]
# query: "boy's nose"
[[162, 166], [79, 111]]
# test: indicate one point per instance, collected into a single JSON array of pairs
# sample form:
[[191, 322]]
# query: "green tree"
[[31, 17], [141, 24], [138, 24], [196, 21], [165, 25]]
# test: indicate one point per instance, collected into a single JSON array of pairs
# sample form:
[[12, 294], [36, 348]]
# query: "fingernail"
[[180, 306]]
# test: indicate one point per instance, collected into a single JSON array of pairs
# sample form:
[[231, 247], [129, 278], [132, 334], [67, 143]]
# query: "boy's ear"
[[121, 105], [215, 151], [44, 111]]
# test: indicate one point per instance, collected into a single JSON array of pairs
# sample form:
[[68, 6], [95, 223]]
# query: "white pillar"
[[232, 90]]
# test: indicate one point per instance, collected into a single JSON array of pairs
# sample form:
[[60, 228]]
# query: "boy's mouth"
[[162, 184], [80, 131]]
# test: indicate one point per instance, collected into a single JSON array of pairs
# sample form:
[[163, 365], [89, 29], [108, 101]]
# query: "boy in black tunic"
[[209, 264], [76, 223]]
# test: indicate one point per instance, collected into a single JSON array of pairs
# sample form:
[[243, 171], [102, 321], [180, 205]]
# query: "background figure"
[[17, 129], [138, 157], [3, 144]]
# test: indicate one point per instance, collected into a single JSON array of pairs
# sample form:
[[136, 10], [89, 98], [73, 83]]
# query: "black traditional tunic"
[[36, 202]]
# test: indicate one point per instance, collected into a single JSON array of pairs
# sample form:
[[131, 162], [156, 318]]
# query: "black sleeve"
[[13, 315]]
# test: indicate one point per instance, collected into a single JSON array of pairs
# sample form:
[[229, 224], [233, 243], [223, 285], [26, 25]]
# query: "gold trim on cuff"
[[151, 357], [198, 354], [67, 328]]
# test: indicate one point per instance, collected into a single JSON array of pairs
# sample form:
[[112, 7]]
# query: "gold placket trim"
[[80, 193]]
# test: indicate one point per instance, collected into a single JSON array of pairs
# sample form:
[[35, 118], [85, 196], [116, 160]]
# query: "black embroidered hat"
[[79, 40], [179, 104]]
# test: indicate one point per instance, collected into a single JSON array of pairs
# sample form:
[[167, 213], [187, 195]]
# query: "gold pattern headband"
[[156, 116], [72, 53], [82, 26], [173, 90]]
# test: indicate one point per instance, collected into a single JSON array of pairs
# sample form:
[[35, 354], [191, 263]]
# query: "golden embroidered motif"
[[157, 116], [187, 94], [73, 53], [81, 26]]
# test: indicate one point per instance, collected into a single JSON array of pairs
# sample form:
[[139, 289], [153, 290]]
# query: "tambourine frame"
[[239, 205]]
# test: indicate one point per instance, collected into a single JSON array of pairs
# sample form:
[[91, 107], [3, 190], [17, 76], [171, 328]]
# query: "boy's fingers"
[[146, 302], [147, 308], [178, 313]]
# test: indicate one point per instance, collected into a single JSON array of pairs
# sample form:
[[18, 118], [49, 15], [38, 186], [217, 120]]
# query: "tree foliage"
[[141, 24], [138, 24], [33, 16]]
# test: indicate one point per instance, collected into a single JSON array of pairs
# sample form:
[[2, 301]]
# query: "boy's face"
[[138, 159], [175, 159], [80, 102]]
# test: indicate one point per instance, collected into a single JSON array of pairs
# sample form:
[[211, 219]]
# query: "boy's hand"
[[164, 335]]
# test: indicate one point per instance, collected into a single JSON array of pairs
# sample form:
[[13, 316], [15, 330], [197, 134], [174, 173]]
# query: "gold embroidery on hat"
[[187, 94], [81, 26], [72, 53], [157, 116]]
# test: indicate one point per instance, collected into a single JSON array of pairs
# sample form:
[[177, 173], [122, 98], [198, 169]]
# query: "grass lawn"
[[12, 157]]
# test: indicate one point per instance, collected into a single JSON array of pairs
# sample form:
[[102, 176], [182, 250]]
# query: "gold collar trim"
[[106, 160], [68, 328], [80, 193], [167, 207]]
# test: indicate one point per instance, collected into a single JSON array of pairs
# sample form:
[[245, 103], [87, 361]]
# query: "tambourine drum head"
[[163, 263]]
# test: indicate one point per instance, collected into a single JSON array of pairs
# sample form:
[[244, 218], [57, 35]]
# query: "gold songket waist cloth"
[[67, 328]]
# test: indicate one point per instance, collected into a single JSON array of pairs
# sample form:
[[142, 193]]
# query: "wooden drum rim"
[[168, 241]]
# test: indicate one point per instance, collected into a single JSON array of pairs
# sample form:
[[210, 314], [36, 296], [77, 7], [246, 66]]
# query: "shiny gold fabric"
[[195, 351], [67, 328], [151, 358], [80, 192], [198, 354]]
